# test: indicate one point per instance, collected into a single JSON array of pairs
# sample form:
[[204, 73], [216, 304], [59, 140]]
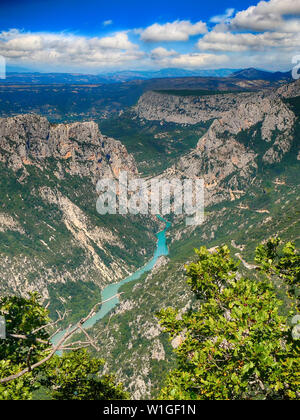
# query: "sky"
[[102, 36]]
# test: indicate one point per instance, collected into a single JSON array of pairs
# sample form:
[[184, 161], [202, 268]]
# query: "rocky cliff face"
[[53, 242], [249, 130], [255, 131], [249, 159], [154, 106], [30, 139], [187, 109], [50, 232]]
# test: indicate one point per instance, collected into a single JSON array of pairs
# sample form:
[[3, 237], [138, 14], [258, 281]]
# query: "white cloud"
[[69, 50], [273, 26], [107, 22], [198, 60], [171, 58], [265, 35], [180, 30], [221, 18], [118, 41], [268, 16], [161, 52], [227, 41], [273, 60]]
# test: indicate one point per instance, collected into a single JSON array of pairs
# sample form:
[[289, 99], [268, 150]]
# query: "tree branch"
[[60, 345]]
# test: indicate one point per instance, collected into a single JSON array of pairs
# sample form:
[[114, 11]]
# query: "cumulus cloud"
[[161, 52], [255, 36], [68, 49], [221, 18], [238, 42], [268, 16], [171, 58], [271, 26], [180, 30]]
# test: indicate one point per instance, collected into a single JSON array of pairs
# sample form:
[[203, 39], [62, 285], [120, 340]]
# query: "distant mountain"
[[14, 77], [24, 76], [166, 73], [254, 74]]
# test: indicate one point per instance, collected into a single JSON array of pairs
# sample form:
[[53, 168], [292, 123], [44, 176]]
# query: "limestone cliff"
[[51, 238], [30, 139], [249, 159], [249, 130]]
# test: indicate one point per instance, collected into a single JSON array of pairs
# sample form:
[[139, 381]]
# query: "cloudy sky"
[[97, 36]]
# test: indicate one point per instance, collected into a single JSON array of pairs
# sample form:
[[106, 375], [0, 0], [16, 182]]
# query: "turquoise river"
[[113, 289]]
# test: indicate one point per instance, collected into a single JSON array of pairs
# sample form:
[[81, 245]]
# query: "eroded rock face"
[[248, 128], [291, 90], [30, 139], [155, 106], [8, 223], [220, 152], [50, 231]]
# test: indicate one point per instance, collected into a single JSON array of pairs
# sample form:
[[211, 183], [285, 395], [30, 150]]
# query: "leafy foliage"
[[22, 317], [236, 345], [211, 272], [284, 264], [76, 375]]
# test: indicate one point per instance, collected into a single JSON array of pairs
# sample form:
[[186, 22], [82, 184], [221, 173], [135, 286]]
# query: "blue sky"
[[98, 36], [86, 17]]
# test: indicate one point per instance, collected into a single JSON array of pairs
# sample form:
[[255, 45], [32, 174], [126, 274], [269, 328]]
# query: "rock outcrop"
[[155, 106], [243, 144], [81, 148], [50, 232], [249, 130]]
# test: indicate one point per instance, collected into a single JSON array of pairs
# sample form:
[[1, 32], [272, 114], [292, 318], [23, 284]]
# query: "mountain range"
[[71, 97], [240, 134], [26, 76], [249, 158]]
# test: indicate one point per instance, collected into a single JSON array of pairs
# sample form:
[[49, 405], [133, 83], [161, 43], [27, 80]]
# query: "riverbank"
[[112, 290]]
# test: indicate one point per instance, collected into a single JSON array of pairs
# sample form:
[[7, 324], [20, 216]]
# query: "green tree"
[[21, 347], [281, 261], [75, 375], [236, 345]]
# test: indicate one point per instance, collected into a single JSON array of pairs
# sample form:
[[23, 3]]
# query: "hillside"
[[245, 144], [254, 74], [249, 159], [52, 239], [67, 98]]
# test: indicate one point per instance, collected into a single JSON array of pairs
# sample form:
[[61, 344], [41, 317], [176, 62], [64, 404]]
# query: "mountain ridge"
[[249, 158], [255, 74], [33, 77], [52, 239], [53, 242]]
